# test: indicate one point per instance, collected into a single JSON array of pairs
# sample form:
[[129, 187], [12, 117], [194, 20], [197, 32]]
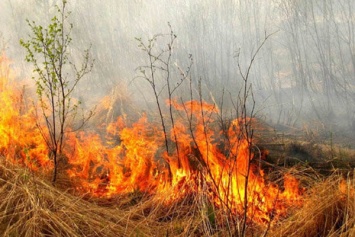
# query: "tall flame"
[[20, 139], [133, 157], [200, 158]]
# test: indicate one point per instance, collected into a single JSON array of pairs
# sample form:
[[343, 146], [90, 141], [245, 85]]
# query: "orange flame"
[[139, 162], [20, 139], [201, 158]]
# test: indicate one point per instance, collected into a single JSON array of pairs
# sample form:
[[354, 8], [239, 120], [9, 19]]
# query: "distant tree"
[[2, 43], [56, 78]]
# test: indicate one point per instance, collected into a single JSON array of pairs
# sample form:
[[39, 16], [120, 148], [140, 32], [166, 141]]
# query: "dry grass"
[[328, 210], [31, 206]]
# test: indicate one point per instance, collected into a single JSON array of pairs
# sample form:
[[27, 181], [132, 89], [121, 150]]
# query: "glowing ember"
[[130, 158]]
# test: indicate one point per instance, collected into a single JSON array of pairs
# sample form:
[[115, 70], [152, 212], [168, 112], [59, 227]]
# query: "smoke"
[[304, 73]]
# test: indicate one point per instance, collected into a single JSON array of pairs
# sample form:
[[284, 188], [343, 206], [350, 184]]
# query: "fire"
[[20, 139], [201, 158], [138, 161]]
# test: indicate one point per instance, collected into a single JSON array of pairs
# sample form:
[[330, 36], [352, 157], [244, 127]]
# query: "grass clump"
[[33, 207], [328, 210]]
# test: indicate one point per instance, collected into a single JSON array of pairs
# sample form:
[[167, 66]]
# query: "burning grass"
[[121, 182], [31, 206]]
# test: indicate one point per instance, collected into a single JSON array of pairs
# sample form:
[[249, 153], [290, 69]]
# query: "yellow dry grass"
[[31, 206], [328, 210]]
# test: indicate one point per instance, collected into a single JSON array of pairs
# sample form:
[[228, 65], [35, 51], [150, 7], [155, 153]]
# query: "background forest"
[[303, 76]]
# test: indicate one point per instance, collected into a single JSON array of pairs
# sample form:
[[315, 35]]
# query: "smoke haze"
[[303, 75]]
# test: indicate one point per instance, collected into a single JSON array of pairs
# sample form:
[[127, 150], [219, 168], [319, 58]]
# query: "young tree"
[[56, 78], [159, 74]]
